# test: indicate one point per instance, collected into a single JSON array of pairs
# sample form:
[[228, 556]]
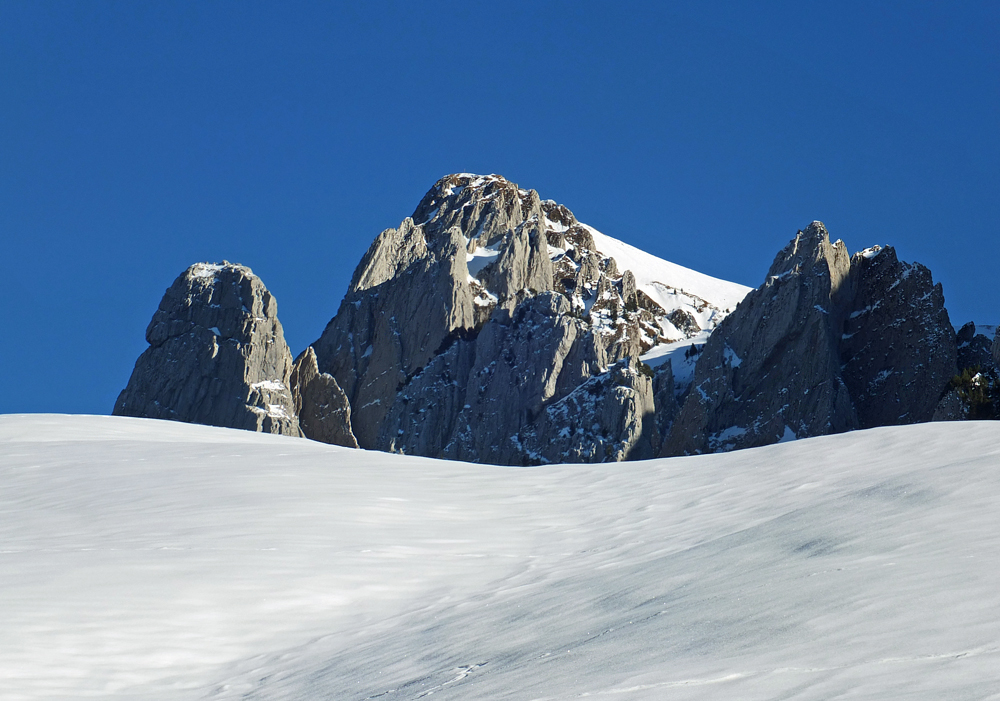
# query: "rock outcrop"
[[974, 392], [409, 293], [828, 343], [217, 355], [898, 346], [320, 404], [771, 371], [951, 408], [974, 349], [524, 361]]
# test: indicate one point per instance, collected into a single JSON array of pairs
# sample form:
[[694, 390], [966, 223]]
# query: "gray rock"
[[607, 418], [950, 408], [495, 396], [898, 346], [424, 413], [409, 293], [664, 399], [974, 349], [523, 263], [463, 317], [217, 355], [827, 344], [321, 405], [771, 370], [519, 362], [996, 350]]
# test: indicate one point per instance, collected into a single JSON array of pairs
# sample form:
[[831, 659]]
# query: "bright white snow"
[[272, 385], [205, 269], [654, 276], [143, 559], [480, 258]]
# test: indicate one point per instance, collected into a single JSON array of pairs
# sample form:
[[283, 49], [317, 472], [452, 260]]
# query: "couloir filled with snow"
[[145, 559]]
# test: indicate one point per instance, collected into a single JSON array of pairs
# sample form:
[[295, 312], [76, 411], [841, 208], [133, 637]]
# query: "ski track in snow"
[[144, 559]]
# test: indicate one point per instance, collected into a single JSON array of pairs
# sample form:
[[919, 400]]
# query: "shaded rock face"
[[996, 350], [483, 309], [217, 355], [827, 344], [320, 404], [474, 399], [974, 349], [610, 417], [771, 369], [898, 346]]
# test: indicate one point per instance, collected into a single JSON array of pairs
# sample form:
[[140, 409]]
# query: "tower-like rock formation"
[[772, 368], [217, 355], [828, 343]]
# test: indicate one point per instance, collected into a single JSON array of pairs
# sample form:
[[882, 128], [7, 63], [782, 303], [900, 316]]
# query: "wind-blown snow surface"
[[154, 560]]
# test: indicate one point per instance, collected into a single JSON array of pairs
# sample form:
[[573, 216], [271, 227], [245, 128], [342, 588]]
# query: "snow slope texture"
[[143, 559]]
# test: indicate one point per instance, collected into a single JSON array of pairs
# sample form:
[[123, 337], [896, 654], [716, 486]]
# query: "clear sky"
[[138, 138]]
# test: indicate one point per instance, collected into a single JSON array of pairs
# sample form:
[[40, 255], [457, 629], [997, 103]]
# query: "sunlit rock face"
[[465, 327], [217, 355], [320, 404]]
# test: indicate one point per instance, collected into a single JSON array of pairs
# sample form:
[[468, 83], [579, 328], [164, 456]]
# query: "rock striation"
[[465, 327], [898, 347], [217, 355], [828, 343], [608, 418]]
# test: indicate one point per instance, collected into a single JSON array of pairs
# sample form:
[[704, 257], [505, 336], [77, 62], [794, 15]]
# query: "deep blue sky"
[[138, 138]]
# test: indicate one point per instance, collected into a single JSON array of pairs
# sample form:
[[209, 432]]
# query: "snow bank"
[[156, 560]]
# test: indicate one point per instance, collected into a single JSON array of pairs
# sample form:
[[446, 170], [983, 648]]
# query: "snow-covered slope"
[[154, 560], [667, 282]]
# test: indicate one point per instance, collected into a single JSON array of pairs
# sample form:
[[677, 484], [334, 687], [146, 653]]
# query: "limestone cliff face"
[[488, 306], [491, 327], [825, 345], [608, 418], [409, 293], [217, 355]]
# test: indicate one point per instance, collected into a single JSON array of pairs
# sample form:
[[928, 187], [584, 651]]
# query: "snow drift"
[[155, 560]]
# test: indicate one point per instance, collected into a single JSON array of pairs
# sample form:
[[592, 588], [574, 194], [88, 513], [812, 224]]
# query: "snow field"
[[144, 559]]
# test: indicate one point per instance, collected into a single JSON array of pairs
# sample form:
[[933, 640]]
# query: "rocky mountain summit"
[[465, 327], [492, 326]]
